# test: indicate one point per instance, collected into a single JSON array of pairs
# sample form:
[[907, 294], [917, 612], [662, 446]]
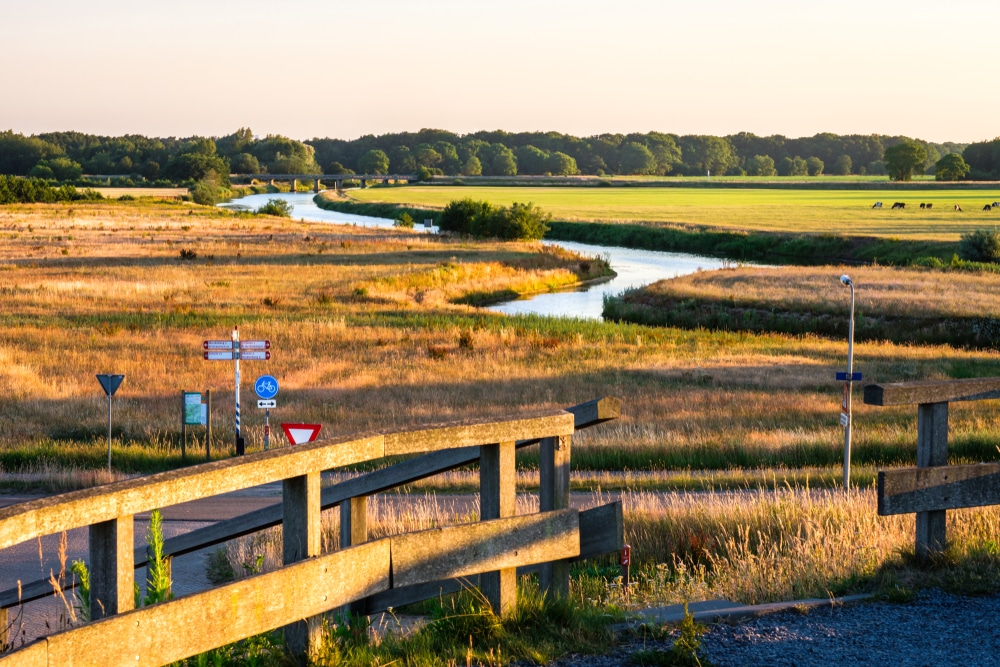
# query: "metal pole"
[[184, 428], [236, 358], [850, 388], [267, 429], [208, 425], [109, 432]]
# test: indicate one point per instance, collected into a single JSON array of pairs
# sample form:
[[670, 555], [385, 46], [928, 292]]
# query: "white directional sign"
[[271, 403], [255, 345], [230, 355], [217, 345]]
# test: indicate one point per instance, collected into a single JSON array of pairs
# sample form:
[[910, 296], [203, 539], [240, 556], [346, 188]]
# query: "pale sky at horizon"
[[325, 69]]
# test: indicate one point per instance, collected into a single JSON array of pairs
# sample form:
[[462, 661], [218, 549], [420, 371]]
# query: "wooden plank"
[[354, 530], [187, 626], [498, 499], [45, 516], [458, 551], [464, 434], [32, 655], [932, 451], [932, 391], [112, 570], [602, 531], [553, 494], [585, 415], [908, 490]]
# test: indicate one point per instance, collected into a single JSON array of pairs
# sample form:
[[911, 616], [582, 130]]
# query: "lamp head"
[[846, 279]]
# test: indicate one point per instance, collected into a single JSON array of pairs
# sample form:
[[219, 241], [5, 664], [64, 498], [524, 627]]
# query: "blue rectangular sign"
[[853, 377]]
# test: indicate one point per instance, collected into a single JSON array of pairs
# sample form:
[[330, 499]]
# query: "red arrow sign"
[[298, 434]]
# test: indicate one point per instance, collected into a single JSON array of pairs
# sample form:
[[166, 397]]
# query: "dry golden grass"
[[909, 292], [162, 193]]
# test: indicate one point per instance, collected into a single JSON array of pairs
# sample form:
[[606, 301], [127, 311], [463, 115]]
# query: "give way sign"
[[298, 434]]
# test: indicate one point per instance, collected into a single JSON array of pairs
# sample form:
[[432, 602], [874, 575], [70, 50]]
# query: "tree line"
[[67, 156]]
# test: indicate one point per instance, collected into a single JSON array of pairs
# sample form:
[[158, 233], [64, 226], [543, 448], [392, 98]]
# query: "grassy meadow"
[[371, 329], [846, 212]]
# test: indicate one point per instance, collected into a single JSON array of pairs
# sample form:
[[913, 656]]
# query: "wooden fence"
[[934, 487], [368, 575]]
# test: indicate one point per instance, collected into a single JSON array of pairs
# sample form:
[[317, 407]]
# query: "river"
[[634, 267]]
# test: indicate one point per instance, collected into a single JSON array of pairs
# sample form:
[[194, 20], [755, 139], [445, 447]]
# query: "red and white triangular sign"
[[298, 434]]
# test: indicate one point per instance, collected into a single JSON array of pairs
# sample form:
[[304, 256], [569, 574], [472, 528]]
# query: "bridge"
[[336, 179]]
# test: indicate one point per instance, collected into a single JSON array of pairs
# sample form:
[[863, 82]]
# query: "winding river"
[[634, 267]]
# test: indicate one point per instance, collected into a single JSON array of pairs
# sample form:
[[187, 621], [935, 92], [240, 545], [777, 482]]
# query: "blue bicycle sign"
[[266, 387]]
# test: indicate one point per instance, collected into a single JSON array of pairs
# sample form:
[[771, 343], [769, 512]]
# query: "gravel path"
[[935, 630]]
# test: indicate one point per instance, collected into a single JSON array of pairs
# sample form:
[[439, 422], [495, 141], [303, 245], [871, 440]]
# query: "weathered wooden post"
[[112, 567], [553, 494], [932, 451], [301, 539], [497, 500], [354, 531], [184, 428], [208, 424], [4, 634]]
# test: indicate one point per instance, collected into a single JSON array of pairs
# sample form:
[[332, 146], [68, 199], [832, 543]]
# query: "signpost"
[[299, 434], [848, 378], [266, 387], [110, 384], [234, 350]]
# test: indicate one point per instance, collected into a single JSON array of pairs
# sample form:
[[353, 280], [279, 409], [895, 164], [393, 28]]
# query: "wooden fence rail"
[[388, 572], [934, 487]]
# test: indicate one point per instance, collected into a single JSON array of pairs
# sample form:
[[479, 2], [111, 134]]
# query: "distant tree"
[[635, 158], [244, 163], [150, 170], [951, 167], [560, 164], [200, 146], [450, 162], [531, 160], [18, 153], [335, 169], [761, 165], [42, 170], [814, 166], [842, 166], [903, 159], [704, 153], [277, 207], [426, 156], [374, 162], [458, 215], [498, 160], [876, 168], [793, 166], [197, 167], [472, 167], [736, 170], [405, 221], [526, 222], [401, 160]]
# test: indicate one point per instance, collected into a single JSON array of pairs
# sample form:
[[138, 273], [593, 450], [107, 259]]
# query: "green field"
[[845, 212]]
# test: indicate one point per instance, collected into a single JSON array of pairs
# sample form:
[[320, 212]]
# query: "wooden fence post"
[[932, 451], [4, 630], [184, 428], [353, 531], [301, 539], [497, 499], [553, 494], [208, 424], [112, 567]]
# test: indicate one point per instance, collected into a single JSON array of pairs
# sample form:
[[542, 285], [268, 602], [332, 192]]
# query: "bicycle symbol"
[[266, 387]]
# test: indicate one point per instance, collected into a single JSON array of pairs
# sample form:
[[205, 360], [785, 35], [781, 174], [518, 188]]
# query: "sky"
[[313, 68]]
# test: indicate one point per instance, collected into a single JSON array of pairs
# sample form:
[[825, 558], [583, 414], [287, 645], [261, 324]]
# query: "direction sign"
[[110, 383], [262, 355], [217, 345], [844, 419], [255, 345], [298, 434], [230, 355], [266, 386], [272, 403]]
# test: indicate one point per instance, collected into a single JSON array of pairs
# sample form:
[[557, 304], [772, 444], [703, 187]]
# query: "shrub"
[[459, 214], [205, 194], [405, 220], [278, 207], [982, 245]]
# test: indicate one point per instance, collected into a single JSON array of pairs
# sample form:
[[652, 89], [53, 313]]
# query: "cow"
[[958, 208], [898, 204], [987, 208], [996, 204], [929, 205], [923, 205], [877, 204]]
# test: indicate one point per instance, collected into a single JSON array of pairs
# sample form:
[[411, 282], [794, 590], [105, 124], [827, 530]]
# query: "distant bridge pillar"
[[293, 185], [364, 184], [385, 181], [338, 184], [316, 186]]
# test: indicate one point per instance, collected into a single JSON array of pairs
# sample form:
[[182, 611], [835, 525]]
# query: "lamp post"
[[846, 417]]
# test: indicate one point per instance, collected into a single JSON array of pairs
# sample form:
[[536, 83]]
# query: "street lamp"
[[845, 417]]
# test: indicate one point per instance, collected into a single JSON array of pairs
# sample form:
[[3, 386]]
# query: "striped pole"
[[236, 360]]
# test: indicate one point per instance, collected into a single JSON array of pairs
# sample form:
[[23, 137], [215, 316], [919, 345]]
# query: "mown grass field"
[[846, 212], [368, 332]]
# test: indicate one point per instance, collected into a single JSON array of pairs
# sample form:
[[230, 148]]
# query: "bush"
[[205, 194], [459, 214], [982, 245], [405, 220], [524, 222], [278, 207]]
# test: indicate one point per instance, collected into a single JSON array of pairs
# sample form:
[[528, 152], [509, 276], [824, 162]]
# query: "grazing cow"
[[898, 204], [877, 204], [996, 203], [923, 205], [929, 205], [958, 208], [987, 208]]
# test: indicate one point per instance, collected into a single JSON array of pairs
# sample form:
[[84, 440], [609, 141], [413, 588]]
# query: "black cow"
[[923, 205], [987, 208], [898, 204], [929, 205]]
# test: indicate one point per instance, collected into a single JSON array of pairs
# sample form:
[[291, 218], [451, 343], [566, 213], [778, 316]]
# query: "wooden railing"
[[934, 487], [368, 575]]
